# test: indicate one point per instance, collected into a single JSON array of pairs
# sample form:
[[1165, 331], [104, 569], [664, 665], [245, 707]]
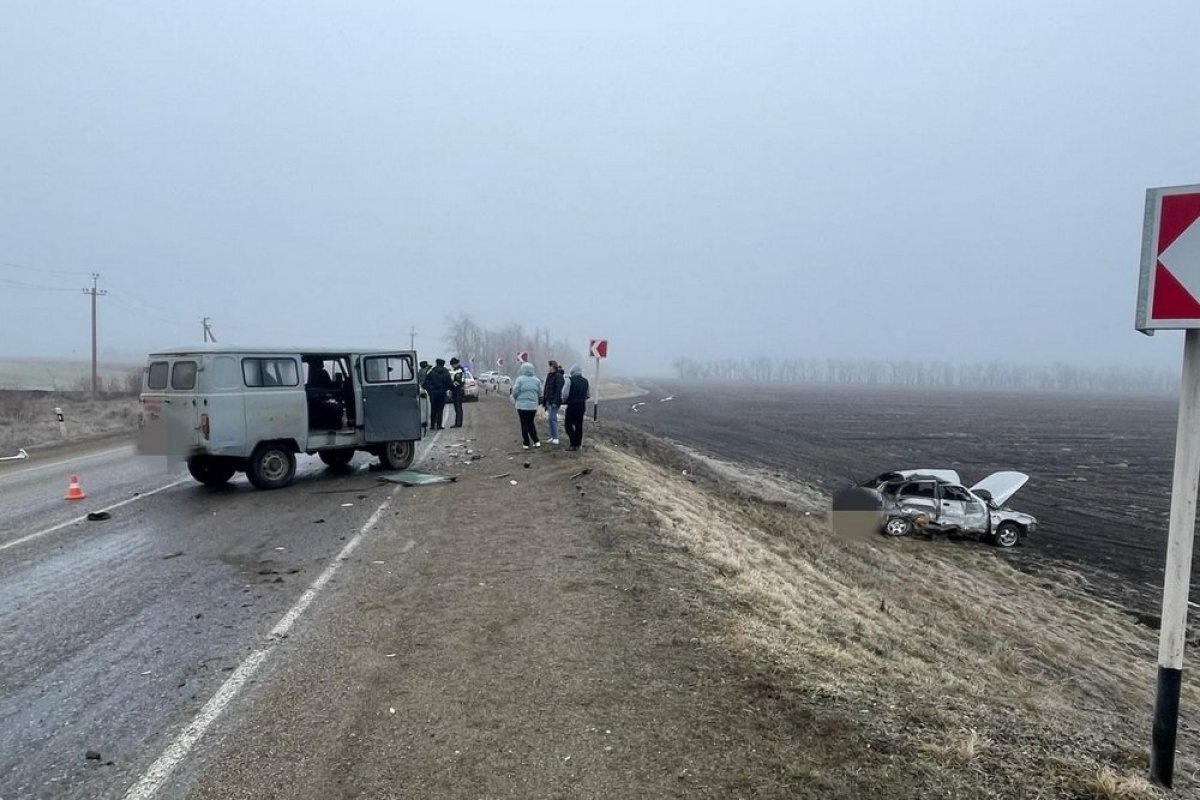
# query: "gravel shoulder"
[[494, 640]]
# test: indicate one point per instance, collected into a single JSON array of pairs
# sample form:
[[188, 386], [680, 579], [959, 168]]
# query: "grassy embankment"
[[30, 390], [912, 668]]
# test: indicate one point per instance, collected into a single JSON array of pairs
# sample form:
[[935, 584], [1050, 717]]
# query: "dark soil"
[[1100, 465]]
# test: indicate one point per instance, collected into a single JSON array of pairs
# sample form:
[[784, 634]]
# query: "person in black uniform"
[[575, 394], [458, 380], [437, 383]]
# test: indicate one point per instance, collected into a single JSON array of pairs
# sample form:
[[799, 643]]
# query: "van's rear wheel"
[[337, 459], [397, 455], [209, 471], [271, 466]]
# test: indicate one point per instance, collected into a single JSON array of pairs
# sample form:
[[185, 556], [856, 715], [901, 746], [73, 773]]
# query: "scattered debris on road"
[[20, 456], [172, 555], [410, 477], [501, 475], [92, 755], [587, 471], [98, 516]]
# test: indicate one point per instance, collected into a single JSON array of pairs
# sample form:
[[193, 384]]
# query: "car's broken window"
[[918, 489], [955, 493]]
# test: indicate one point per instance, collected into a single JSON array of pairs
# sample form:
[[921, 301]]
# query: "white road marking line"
[[23, 470], [70, 522], [289, 619], [154, 777]]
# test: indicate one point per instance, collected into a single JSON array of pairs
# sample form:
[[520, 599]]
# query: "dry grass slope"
[[920, 669]]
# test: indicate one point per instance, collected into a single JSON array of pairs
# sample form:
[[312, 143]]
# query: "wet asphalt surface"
[[114, 633]]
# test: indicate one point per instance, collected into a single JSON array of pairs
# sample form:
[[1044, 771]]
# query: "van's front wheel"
[[397, 455], [209, 471], [271, 466]]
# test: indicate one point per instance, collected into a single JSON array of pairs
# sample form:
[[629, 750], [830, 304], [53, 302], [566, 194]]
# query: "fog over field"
[[954, 182]]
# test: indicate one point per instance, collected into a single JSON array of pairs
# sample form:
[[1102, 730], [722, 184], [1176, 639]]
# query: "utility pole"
[[412, 337], [208, 334], [95, 292]]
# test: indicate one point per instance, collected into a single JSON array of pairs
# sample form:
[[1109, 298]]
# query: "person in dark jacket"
[[458, 380], [437, 383], [575, 394], [553, 397]]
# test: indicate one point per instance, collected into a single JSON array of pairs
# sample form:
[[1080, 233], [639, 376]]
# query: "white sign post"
[[1169, 298], [597, 349]]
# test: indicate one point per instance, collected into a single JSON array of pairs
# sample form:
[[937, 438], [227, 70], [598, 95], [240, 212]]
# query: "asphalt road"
[[114, 634]]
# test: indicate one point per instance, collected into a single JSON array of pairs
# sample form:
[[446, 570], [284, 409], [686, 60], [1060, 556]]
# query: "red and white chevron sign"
[[598, 348], [1169, 286]]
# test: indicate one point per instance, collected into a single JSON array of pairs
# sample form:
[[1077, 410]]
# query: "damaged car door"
[[958, 508]]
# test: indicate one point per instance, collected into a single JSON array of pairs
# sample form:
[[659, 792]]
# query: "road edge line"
[[162, 768], [140, 496]]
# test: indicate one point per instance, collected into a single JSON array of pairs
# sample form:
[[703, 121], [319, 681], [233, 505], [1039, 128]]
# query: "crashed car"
[[936, 501]]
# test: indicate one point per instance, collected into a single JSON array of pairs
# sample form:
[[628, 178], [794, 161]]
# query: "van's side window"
[[183, 375], [387, 369], [156, 377], [270, 372]]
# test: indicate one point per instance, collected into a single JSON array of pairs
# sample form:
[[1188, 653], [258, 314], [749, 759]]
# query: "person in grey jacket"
[[575, 394], [526, 393]]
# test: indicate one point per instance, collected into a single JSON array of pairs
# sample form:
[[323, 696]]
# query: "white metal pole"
[[1177, 578]]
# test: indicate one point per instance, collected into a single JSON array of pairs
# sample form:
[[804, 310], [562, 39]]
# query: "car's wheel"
[[898, 526], [337, 459], [271, 466], [209, 471], [1007, 535], [397, 455]]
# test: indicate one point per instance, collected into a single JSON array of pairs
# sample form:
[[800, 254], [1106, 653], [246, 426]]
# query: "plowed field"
[[1100, 465]]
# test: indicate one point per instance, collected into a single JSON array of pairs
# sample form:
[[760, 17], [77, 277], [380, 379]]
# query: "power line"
[[42, 270], [142, 312], [31, 287]]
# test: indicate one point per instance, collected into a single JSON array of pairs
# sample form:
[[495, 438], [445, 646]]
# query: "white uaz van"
[[227, 410]]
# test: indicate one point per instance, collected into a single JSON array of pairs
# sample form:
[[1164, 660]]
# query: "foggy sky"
[[953, 180]]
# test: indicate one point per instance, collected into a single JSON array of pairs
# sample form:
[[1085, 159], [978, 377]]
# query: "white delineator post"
[[62, 422], [1177, 579], [596, 393]]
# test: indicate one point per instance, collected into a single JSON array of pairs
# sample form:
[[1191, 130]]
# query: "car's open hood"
[[1001, 485]]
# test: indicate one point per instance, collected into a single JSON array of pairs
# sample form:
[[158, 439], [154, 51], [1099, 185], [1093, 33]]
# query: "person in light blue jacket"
[[526, 393]]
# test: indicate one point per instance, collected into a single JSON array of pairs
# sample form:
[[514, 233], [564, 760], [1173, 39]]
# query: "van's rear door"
[[391, 405]]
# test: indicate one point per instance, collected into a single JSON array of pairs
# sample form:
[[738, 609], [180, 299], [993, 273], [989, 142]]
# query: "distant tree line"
[[980, 375], [481, 346]]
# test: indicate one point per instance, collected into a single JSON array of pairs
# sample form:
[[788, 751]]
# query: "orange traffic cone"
[[74, 491]]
